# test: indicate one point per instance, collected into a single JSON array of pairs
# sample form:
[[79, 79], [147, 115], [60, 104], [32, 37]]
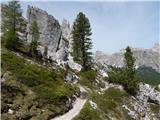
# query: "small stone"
[[93, 104], [10, 111]]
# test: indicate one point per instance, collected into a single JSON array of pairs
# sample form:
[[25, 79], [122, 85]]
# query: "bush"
[[120, 76], [87, 78], [89, 75], [11, 63]]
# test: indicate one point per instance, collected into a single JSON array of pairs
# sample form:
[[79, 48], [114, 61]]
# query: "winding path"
[[77, 106]]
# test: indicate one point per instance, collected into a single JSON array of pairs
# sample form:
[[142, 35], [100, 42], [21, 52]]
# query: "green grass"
[[34, 88], [109, 106], [88, 113], [111, 99], [88, 79], [155, 108]]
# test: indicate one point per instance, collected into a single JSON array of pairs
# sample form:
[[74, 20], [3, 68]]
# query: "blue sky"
[[114, 24]]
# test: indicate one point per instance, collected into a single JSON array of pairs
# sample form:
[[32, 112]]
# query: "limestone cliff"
[[52, 34]]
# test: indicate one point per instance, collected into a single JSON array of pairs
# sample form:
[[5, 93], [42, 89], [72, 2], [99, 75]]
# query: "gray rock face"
[[52, 34], [71, 77], [62, 52], [144, 57], [65, 29], [49, 27], [156, 47], [147, 93]]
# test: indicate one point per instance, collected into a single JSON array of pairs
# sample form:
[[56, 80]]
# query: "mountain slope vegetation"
[[32, 90]]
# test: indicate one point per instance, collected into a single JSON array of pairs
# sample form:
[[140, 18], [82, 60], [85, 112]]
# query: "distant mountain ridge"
[[144, 57]]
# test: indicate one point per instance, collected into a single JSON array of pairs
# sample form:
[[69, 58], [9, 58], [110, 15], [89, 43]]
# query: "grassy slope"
[[40, 93], [109, 107], [109, 104], [34, 91]]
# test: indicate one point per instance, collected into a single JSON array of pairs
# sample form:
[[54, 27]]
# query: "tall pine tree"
[[129, 63], [11, 24], [126, 75], [82, 43], [35, 37], [131, 76]]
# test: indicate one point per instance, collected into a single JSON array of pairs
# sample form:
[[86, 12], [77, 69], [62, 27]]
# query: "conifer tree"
[[82, 43], [129, 62], [11, 24], [35, 37], [127, 75], [131, 76]]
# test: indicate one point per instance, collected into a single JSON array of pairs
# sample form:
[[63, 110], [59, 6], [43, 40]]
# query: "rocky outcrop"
[[144, 106], [73, 65], [156, 47], [141, 106], [52, 34], [65, 29], [71, 77], [144, 57], [62, 52], [148, 93]]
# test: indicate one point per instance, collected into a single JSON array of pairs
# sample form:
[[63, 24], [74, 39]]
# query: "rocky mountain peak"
[[156, 47], [144, 57], [65, 28]]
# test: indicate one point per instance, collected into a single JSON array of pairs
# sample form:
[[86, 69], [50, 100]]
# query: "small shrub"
[[89, 75], [87, 78], [120, 76]]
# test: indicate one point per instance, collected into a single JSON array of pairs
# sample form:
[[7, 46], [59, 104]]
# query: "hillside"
[[30, 90], [51, 85]]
